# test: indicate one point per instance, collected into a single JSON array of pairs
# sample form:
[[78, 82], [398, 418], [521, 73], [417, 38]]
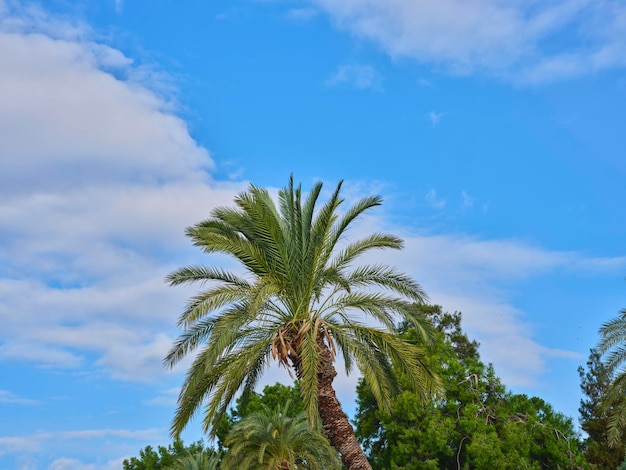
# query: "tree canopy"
[[165, 458], [478, 425]]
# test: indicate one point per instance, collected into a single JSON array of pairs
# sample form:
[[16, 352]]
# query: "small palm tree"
[[274, 440], [302, 300], [612, 347], [197, 461]]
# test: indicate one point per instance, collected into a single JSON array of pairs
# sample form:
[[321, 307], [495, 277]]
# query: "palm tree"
[[301, 301], [612, 347], [198, 461], [274, 440]]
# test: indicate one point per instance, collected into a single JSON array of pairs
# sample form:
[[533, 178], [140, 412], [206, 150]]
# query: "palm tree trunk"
[[335, 424]]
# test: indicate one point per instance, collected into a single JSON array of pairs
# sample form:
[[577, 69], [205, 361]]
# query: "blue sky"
[[493, 130]]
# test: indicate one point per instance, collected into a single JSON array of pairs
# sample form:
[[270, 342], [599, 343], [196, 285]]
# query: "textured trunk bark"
[[335, 424]]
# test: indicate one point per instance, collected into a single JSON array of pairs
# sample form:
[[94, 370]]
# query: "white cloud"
[[19, 350], [434, 117], [467, 200], [17, 17], [165, 398], [98, 180], [596, 265], [433, 201], [357, 76], [74, 464], [36, 442], [11, 398], [142, 434], [301, 14], [70, 120], [10, 445], [458, 265], [523, 41]]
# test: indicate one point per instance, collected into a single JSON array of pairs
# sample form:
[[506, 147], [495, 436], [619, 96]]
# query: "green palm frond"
[[217, 381], [612, 346], [376, 241], [209, 301], [202, 274], [388, 278], [309, 366], [243, 368], [372, 362], [615, 358], [613, 333], [352, 214], [613, 404], [375, 350], [219, 333], [188, 341], [380, 307]]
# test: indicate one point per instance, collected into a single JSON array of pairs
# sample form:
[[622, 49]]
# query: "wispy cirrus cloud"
[[435, 117], [301, 14], [11, 398], [165, 398], [433, 200], [355, 76], [34, 442], [75, 464], [467, 201], [526, 42], [16, 444]]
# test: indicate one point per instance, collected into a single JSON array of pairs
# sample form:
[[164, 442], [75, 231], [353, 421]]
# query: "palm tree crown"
[[275, 440], [301, 300]]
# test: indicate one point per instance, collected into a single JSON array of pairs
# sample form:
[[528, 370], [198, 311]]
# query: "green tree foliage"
[[594, 418], [478, 425], [163, 458], [303, 300], [278, 439]]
